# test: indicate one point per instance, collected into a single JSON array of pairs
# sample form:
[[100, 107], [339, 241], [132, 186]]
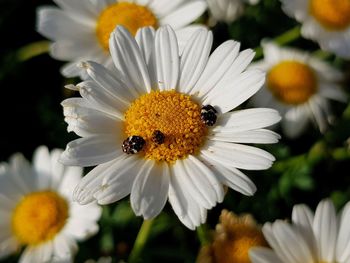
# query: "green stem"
[[32, 50], [140, 241], [203, 236], [285, 38]]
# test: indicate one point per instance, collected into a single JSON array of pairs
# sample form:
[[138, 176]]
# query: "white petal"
[[70, 70], [235, 91], [197, 187], [287, 243], [343, 241], [185, 14], [325, 229], [164, 7], [101, 100], [165, 59], [145, 39], [64, 248], [118, 179], [128, 58], [232, 177], [263, 255], [240, 64], [112, 83], [245, 120], [91, 151], [81, 230], [203, 175], [185, 207], [55, 24], [86, 121], [194, 59], [84, 10], [8, 246], [90, 184], [303, 218], [42, 166], [218, 64], [20, 179], [294, 122], [238, 156], [253, 136], [150, 190]]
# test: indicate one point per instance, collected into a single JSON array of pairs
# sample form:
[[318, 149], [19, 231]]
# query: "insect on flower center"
[[129, 15], [292, 82], [332, 14], [38, 217], [234, 246], [172, 114]]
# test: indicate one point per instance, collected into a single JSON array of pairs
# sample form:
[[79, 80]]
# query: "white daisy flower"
[[37, 211], [322, 237], [324, 21], [227, 10], [147, 129], [80, 30], [299, 86]]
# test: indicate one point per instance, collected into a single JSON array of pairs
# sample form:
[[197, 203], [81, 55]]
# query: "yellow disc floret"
[[332, 14], [292, 82], [173, 114], [129, 15], [233, 238], [38, 217]]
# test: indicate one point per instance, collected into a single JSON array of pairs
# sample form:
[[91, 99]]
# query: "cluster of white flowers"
[[158, 117]]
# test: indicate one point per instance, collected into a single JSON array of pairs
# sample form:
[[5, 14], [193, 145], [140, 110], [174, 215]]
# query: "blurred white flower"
[[321, 237], [80, 30], [324, 21], [37, 210], [299, 86], [227, 10], [162, 128]]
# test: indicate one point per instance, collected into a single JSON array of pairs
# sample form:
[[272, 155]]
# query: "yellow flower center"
[[38, 217], [129, 15], [292, 82], [236, 244], [172, 113], [332, 14]]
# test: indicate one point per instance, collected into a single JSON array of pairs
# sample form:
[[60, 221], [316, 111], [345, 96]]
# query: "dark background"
[[308, 169]]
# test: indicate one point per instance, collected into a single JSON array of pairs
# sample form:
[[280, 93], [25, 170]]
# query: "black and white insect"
[[158, 137], [133, 144], [208, 115]]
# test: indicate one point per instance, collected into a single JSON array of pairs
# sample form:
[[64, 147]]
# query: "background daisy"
[[324, 21], [320, 237], [80, 30], [299, 86], [187, 101], [37, 211], [232, 239], [227, 10]]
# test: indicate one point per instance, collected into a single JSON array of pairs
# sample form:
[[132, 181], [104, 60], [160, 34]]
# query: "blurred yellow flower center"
[[129, 15], [235, 245], [38, 217], [332, 14], [172, 113], [292, 82]]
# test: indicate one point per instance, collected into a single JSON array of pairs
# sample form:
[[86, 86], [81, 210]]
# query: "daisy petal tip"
[[84, 65], [72, 87]]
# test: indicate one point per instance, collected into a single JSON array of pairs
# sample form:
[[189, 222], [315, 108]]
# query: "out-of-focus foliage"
[[307, 169]]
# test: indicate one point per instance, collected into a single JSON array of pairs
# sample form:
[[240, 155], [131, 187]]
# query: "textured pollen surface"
[[239, 234], [129, 15], [38, 217], [332, 14], [292, 82], [172, 113]]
